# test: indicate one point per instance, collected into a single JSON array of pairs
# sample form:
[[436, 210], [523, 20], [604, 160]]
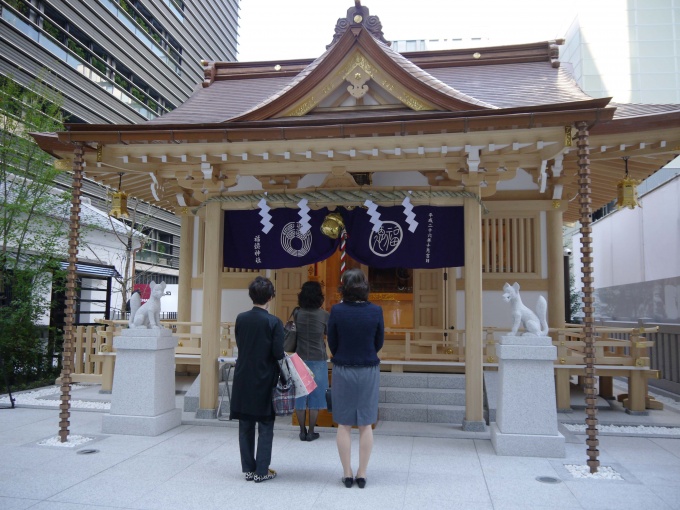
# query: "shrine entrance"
[[414, 301]]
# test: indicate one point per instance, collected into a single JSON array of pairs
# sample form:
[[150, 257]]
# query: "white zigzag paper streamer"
[[266, 217], [410, 215], [154, 185], [304, 217], [374, 214]]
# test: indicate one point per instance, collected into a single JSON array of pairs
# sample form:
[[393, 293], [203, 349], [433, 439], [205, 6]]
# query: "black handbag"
[[283, 394], [290, 332]]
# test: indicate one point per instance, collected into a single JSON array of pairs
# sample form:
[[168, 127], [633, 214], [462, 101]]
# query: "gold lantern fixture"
[[626, 191], [119, 201]]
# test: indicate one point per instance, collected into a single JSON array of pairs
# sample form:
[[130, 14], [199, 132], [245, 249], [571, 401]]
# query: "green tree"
[[33, 226], [132, 239]]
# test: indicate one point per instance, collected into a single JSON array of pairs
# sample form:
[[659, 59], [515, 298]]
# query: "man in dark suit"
[[259, 338]]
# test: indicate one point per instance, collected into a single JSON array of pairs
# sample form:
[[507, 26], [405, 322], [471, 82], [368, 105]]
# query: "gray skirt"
[[355, 393]]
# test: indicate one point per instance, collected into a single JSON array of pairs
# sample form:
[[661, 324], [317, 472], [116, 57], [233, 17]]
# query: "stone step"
[[413, 380], [426, 396], [422, 398], [421, 413], [407, 397]]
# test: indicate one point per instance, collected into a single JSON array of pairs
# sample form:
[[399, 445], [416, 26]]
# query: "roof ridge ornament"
[[358, 15]]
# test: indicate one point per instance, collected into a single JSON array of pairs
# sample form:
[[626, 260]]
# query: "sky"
[[280, 29]]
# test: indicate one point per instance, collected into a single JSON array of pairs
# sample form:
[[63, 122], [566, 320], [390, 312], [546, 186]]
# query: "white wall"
[[638, 245], [169, 302], [636, 258], [234, 301]]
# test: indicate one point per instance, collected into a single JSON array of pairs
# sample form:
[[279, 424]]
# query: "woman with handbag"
[[259, 338], [310, 332], [356, 332]]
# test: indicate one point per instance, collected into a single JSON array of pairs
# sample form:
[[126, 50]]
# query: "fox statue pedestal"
[[143, 394], [526, 416]]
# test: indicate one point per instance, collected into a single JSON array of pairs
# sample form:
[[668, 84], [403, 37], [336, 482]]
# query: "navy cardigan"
[[356, 332]]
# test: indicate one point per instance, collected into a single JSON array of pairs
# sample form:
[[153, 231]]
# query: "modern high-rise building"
[[116, 61], [119, 61]]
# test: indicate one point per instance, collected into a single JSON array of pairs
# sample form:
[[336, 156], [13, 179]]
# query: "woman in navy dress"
[[356, 332]]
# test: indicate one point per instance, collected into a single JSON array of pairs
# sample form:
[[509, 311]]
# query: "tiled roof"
[[223, 100], [430, 79], [624, 110], [513, 85], [495, 86], [291, 83]]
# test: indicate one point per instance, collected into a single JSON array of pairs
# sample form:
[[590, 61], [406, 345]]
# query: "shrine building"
[[443, 174]]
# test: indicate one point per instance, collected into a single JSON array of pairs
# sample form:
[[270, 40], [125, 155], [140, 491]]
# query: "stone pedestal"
[[526, 417], [143, 394]]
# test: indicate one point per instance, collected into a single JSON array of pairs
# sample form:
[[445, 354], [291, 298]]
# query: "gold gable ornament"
[[119, 202], [626, 191]]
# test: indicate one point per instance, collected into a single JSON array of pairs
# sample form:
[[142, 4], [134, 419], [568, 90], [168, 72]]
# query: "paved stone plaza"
[[196, 465]]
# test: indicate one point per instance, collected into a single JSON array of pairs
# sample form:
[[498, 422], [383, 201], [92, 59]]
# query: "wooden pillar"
[[556, 283], [606, 386], [212, 308], [186, 264], [474, 376]]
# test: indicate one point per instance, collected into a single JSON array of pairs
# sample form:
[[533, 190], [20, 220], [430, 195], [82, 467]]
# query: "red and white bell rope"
[[343, 254]]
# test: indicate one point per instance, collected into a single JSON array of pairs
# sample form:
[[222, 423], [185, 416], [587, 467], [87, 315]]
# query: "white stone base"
[[143, 398], [141, 425], [527, 445]]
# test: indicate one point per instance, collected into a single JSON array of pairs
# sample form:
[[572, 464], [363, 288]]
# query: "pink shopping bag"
[[303, 378]]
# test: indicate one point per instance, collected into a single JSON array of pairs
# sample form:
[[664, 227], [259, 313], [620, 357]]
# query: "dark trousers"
[[246, 440]]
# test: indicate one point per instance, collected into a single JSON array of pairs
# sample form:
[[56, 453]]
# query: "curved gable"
[[359, 73]]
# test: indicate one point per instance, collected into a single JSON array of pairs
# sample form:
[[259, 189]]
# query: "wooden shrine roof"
[[445, 94]]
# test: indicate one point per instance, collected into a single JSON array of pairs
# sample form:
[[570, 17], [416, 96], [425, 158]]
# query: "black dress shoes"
[[361, 482], [348, 481]]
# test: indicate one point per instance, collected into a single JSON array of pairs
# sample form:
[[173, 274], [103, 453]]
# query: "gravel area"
[[38, 398], [603, 472]]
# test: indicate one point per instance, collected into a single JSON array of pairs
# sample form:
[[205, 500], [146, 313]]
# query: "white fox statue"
[[535, 324], [147, 315]]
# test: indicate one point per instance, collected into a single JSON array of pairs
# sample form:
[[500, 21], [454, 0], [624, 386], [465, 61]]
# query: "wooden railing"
[[94, 354], [619, 352], [187, 333]]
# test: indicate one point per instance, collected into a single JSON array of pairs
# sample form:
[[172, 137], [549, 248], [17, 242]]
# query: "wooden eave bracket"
[[279, 182]]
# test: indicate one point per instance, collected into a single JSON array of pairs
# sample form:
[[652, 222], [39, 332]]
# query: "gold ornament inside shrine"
[[626, 191], [119, 202]]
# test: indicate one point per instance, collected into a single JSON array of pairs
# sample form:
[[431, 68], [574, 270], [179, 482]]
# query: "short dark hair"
[[261, 290], [311, 295], [354, 285]]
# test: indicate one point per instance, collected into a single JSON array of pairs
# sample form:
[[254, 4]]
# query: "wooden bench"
[[614, 357], [637, 400]]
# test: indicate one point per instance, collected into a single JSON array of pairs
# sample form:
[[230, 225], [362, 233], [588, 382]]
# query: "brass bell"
[[333, 225]]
